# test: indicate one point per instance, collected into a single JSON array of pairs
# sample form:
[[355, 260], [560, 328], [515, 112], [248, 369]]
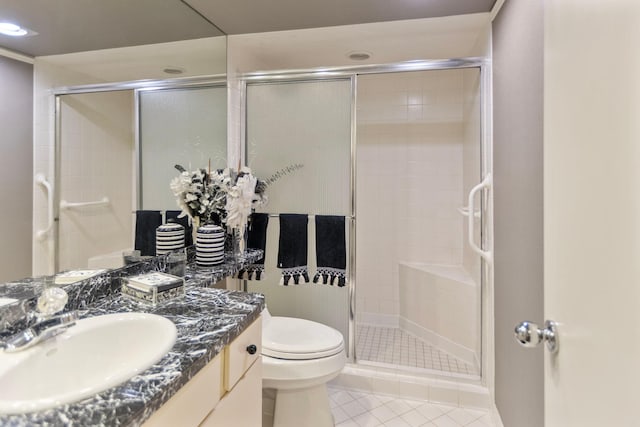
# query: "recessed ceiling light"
[[359, 55], [10, 29]]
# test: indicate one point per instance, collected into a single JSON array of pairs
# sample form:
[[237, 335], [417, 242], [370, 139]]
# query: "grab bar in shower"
[[41, 180], [64, 205], [471, 219]]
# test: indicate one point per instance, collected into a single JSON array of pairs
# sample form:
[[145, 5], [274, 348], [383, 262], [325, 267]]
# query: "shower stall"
[[419, 283], [397, 150]]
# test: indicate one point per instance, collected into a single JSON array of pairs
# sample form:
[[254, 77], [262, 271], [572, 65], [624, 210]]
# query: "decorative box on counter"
[[153, 287], [73, 276]]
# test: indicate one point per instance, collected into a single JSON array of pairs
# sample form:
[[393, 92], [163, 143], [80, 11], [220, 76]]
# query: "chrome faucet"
[[51, 301], [39, 332]]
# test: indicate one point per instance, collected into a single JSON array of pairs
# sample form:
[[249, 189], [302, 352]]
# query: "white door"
[[592, 211]]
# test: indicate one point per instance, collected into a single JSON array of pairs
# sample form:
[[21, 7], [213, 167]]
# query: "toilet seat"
[[299, 339]]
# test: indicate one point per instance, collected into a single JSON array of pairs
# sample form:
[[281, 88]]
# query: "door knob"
[[529, 335]]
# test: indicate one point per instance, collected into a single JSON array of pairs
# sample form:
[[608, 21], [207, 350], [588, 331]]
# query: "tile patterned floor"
[[397, 347], [353, 408]]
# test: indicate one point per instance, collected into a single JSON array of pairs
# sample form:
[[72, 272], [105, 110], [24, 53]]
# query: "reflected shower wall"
[[305, 123], [96, 161]]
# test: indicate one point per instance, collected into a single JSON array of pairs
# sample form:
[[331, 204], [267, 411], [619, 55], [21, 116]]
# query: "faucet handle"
[[52, 300]]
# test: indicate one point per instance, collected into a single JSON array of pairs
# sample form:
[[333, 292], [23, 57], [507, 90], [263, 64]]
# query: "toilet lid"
[[299, 339]]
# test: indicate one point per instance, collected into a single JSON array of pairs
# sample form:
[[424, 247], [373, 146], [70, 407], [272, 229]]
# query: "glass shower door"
[[419, 155], [307, 123]]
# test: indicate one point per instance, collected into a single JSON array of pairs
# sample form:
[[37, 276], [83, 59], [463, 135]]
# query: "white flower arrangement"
[[224, 195]]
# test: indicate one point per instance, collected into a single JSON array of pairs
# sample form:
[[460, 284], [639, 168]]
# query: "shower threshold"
[[396, 349]]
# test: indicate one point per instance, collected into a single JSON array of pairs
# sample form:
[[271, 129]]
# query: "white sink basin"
[[96, 354]]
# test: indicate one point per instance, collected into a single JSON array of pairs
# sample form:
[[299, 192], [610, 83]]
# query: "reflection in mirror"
[[107, 118], [97, 163], [95, 178], [179, 126]]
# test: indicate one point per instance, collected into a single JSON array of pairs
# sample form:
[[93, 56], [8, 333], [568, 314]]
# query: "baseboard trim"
[[495, 416], [379, 319], [451, 392]]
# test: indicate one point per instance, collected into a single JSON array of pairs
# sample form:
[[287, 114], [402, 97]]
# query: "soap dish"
[[73, 276], [153, 288]]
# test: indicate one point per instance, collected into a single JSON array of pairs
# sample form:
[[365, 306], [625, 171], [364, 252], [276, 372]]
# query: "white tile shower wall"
[[440, 305], [410, 180], [46, 77], [96, 153]]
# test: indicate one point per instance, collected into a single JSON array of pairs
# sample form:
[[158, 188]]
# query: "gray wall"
[[518, 134], [16, 168]]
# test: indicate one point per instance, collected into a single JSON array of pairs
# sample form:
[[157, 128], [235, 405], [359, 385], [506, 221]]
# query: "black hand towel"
[[184, 221], [256, 239], [146, 224], [292, 249], [331, 252]]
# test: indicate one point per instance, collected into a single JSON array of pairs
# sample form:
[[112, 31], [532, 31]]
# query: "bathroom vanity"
[[226, 392], [211, 376]]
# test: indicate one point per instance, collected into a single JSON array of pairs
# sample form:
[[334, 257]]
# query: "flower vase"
[[209, 245], [235, 243], [195, 224]]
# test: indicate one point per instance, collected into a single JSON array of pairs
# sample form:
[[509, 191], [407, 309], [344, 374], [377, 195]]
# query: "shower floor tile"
[[393, 346]]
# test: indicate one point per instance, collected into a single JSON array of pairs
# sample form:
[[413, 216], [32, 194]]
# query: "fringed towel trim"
[[252, 272], [298, 274], [331, 276]]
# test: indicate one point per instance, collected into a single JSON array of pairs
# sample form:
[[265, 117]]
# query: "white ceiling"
[[242, 17], [66, 26]]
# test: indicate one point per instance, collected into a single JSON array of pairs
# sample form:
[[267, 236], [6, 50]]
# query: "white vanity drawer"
[[242, 353]]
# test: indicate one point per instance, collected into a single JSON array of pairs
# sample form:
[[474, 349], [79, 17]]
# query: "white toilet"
[[299, 357]]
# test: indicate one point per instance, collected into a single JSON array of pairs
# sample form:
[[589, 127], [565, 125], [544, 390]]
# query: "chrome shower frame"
[[352, 73]]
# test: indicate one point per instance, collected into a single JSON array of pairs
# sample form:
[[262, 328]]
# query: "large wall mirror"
[[116, 151], [97, 144]]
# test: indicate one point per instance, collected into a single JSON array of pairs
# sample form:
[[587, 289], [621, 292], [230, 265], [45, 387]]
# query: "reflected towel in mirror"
[[146, 224]]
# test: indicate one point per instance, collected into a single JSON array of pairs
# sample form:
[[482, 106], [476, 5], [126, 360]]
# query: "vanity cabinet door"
[[226, 392], [191, 404], [242, 353], [242, 406]]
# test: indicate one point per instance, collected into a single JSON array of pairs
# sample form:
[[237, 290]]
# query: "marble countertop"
[[206, 319], [15, 317]]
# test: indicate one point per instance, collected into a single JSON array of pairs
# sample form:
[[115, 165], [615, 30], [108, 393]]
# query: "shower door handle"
[[486, 183]]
